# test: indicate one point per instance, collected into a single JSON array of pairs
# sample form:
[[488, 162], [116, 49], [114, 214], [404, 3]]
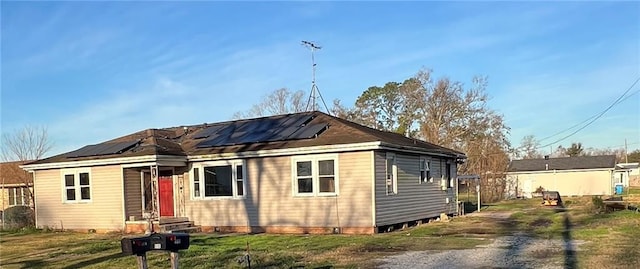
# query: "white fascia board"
[[415, 150], [288, 151], [155, 159]]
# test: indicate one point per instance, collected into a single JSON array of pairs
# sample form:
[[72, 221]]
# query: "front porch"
[[164, 225], [156, 193]]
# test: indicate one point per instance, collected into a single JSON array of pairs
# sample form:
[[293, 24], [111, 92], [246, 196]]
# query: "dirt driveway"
[[513, 251]]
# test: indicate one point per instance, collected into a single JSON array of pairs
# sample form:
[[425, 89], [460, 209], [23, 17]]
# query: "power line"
[[622, 97], [580, 123]]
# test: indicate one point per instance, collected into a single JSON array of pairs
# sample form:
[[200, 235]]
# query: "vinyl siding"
[[575, 182], [133, 193], [103, 212], [414, 200], [269, 198]]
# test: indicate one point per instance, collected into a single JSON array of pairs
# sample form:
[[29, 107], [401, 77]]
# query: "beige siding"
[[414, 200], [596, 182], [103, 212], [270, 201], [133, 193]]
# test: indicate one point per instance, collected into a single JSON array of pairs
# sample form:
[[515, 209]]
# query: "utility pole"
[[626, 156], [315, 92]]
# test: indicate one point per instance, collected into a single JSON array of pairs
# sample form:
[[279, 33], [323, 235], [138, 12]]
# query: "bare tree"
[[280, 101], [529, 148], [26, 144]]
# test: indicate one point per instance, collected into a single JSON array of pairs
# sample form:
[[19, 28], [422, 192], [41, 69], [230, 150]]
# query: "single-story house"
[[306, 172], [16, 185], [580, 175], [627, 174]]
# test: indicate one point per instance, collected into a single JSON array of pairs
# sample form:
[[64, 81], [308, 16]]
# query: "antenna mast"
[[315, 92]]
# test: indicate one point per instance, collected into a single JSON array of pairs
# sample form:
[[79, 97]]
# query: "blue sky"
[[90, 72]]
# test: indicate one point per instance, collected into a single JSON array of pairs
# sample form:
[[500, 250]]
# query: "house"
[[581, 175], [297, 173], [16, 185], [627, 174]]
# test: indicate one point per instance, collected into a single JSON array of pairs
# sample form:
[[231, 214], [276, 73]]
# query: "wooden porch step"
[[192, 229], [176, 225], [165, 220]]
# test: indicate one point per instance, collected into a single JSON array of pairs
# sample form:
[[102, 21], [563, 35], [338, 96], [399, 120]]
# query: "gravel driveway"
[[515, 251]]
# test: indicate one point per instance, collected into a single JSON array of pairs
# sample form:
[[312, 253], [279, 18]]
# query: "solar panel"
[[103, 149], [260, 130], [204, 133], [309, 131]]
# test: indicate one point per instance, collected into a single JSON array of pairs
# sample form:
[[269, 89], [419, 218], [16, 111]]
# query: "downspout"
[[3, 189]]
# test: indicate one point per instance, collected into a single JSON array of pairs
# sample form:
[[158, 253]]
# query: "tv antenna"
[[315, 92]]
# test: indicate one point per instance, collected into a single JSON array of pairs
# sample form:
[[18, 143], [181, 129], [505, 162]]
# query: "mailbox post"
[[172, 242]]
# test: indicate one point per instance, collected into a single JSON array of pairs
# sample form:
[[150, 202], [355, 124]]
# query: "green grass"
[[610, 238]]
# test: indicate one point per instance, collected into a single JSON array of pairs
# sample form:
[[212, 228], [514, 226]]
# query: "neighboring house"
[[627, 174], [582, 175], [16, 185], [298, 173]]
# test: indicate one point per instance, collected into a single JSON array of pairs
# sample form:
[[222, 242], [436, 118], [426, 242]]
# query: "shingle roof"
[[11, 173], [183, 141], [565, 163]]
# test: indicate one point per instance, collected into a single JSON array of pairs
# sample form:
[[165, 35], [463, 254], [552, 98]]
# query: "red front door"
[[165, 186]]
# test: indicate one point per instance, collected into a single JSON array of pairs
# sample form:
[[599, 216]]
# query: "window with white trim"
[[315, 175], [77, 185], [391, 172], [218, 179], [448, 175], [425, 170], [17, 196]]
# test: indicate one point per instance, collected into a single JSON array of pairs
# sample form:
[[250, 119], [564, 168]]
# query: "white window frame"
[[76, 186], [234, 179], [426, 169], [393, 190], [315, 174], [17, 199]]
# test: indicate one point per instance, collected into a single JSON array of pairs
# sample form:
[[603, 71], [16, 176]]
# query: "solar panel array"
[[103, 149], [260, 130]]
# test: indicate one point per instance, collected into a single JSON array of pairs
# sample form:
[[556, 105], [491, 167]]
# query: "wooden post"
[[175, 256], [142, 261]]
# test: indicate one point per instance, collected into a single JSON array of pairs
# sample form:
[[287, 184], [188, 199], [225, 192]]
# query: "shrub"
[[597, 204], [19, 217]]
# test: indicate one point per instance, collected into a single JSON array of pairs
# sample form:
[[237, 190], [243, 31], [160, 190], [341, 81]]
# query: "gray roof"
[[564, 163]]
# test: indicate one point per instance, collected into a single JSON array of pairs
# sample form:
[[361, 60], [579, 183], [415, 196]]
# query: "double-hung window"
[[218, 179], [315, 175], [391, 174], [425, 172], [77, 185]]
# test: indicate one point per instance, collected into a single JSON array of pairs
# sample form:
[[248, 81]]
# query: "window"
[[17, 196], [391, 174], [448, 175], [425, 172], [77, 185], [315, 175], [218, 179]]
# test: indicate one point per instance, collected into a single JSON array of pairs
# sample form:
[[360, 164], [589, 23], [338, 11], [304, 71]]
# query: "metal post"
[[478, 191], [142, 261], [175, 256]]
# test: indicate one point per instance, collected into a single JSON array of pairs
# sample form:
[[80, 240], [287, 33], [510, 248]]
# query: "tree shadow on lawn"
[[94, 261]]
